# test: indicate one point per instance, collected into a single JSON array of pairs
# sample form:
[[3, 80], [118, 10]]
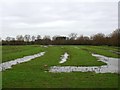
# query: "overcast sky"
[[57, 17]]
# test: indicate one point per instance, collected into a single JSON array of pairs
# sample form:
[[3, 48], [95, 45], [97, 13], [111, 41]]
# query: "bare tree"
[[83, 40], [115, 37], [72, 36], [54, 38], [116, 33], [27, 38], [38, 37], [8, 39], [20, 38], [33, 38], [46, 37], [98, 39], [12, 39]]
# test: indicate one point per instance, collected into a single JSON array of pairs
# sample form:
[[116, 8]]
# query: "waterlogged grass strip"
[[111, 67], [9, 64]]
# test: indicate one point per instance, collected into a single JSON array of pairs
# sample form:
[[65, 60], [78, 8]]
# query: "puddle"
[[111, 67], [44, 46], [9, 64], [64, 57]]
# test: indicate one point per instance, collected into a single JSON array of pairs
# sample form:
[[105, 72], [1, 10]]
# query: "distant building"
[[60, 38]]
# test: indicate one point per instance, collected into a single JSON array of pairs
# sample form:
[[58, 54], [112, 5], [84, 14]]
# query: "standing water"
[[111, 67], [9, 64], [64, 58]]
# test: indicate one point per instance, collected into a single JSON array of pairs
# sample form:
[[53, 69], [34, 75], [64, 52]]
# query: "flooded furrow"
[[64, 57], [111, 67], [9, 64]]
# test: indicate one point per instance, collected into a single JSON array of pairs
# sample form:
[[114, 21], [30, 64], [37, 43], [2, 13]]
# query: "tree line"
[[72, 39]]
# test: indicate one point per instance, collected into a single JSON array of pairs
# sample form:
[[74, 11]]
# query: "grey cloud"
[[33, 16]]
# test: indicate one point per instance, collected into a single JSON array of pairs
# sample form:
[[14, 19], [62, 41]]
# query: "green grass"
[[14, 52], [79, 57], [113, 48], [103, 50], [33, 74], [42, 79]]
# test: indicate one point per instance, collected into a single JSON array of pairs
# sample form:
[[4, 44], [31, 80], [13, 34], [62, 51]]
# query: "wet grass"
[[102, 50], [113, 48], [14, 52], [34, 74], [40, 79], [79, 57]]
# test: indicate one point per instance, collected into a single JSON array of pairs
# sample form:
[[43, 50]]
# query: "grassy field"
[[103, 50], [33, 74], [13, 52]]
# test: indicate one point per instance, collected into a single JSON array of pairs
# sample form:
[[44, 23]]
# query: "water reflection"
[[9, 64], [111, 67], [64, 57]]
